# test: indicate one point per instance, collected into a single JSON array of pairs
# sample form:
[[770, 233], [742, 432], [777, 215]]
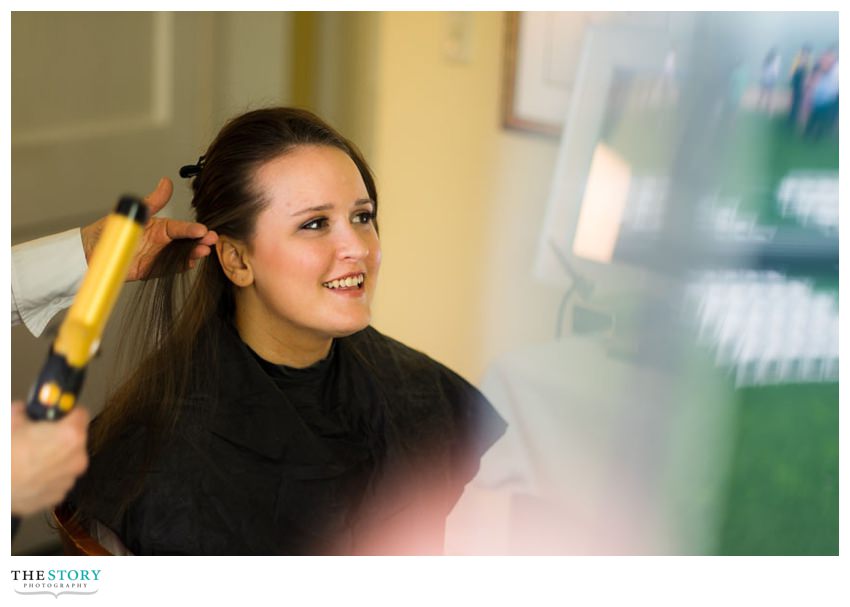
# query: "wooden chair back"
[[75, 539]]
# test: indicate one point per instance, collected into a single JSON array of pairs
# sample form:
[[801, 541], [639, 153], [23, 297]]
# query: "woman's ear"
[[233, 257]]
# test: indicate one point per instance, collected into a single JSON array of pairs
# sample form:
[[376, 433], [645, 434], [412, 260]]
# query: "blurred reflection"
[[810, 197], [820, 97], [766, 328], [769, 79], [707, 230]]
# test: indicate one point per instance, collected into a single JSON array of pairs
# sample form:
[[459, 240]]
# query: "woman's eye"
[[315, 224], [364, 217]]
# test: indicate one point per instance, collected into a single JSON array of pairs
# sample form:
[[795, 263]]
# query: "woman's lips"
[[350, 285]]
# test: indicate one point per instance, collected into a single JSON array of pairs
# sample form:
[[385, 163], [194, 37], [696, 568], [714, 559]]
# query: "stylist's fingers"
[[199, 252], [209, 239], [157, 199], [204, 247], [18, 414], [78, 418], [176, 229], [73, 428]]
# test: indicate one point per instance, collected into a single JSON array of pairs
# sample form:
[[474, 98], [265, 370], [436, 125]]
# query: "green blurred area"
[[762, 151], [753, 152], [782, 495]]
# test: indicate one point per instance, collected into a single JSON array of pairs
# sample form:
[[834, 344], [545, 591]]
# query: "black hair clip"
[[192, 170]]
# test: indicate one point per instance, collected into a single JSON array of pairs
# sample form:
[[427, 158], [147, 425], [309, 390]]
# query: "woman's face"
[[315, 253]]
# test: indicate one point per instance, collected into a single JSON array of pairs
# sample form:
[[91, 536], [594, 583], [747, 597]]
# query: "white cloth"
[[603, 455], [46, 274]]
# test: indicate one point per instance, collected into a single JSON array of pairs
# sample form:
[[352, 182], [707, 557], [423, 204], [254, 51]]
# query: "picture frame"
[[542, 55], [542, 52]]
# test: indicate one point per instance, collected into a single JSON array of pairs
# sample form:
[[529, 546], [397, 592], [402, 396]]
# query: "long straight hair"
[[170, 319]]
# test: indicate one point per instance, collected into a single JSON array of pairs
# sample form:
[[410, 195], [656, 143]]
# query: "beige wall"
[[461, 197]]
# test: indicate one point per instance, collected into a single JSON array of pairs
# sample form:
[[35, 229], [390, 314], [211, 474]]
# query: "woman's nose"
[[352, 244]]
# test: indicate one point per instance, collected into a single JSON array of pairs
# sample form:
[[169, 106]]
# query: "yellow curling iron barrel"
[[55, 392]]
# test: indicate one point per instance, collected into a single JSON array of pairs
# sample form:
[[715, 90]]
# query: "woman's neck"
[[280, 343]]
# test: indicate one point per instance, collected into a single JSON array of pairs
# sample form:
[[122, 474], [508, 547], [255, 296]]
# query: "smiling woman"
[[317, 230], [266, 415]]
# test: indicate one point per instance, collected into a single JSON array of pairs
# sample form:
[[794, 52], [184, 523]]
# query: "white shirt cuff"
[[46, 274]]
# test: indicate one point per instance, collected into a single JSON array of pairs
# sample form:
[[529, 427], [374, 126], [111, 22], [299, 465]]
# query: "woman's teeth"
[[351, 281]]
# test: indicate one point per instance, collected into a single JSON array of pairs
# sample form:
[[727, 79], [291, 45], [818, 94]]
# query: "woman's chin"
[[349, 327]]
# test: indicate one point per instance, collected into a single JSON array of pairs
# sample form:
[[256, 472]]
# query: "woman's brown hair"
[[170, 319]]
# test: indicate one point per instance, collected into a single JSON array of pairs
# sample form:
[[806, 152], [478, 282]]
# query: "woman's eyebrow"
[[328, 206], [316, 209]]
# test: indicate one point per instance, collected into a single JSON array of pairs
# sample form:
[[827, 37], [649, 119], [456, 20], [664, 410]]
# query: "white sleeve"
[[46, 274]]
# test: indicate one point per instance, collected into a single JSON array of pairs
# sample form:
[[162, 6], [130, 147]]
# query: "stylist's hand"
[[158, 233], [47, 457]]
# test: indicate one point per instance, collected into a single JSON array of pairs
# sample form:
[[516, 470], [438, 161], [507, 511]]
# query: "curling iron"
[[55, 391]]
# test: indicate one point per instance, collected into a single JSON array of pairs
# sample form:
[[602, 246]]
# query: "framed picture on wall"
[[542, 55]]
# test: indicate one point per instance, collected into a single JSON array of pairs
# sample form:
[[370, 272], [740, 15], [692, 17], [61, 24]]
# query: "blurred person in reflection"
[[268, 416], [768, 79], [799, 73], [823, 62], [46, 274], [823, 96]]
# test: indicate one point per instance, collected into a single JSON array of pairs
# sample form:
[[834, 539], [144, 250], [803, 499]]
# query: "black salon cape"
[[251, 472]]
